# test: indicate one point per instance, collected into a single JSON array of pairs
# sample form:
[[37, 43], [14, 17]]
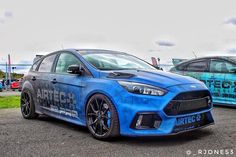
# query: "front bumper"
[[131, 104], [168, 126]]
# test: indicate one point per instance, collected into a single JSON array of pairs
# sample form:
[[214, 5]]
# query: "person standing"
[[3, 83]]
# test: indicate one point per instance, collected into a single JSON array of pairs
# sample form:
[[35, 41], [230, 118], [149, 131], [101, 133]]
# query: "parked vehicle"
[[1, 87], [15, 84], [114, 93], [217, 72]]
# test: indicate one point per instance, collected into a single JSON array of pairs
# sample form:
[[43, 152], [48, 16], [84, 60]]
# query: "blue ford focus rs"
[[114, 93]]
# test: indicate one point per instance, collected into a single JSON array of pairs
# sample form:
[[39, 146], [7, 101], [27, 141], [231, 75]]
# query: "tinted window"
[[46, 64], [34, 66], [198, 66], [65, 60], [181, 67], [221, 66]]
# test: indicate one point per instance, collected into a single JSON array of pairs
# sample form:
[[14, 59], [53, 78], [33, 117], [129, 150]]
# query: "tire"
[[27, 105], [102, 118]]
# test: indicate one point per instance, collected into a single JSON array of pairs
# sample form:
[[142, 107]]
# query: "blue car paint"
[[127, 104]]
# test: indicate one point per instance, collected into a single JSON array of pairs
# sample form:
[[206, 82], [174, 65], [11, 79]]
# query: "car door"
[[229, 83], [70, 86], [43, 83], [218, 79], [225, 81]]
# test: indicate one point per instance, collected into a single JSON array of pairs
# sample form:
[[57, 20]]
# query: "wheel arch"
[[116, 125], [103, 93], [28, 86], [98, 92]]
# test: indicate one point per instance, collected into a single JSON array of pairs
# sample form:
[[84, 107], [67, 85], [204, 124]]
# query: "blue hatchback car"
[[114, 93]]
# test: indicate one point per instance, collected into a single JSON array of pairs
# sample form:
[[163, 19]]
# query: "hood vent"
[[120, 75]]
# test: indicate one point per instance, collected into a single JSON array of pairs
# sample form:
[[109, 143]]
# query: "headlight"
[[139, 88]]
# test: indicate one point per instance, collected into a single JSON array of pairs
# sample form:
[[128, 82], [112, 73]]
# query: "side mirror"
[[75, 69]]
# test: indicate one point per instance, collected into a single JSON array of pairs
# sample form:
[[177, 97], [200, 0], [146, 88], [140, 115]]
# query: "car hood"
[[156, 77]]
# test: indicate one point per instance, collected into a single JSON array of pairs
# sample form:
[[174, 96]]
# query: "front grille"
[[188, 102], [192, 95]]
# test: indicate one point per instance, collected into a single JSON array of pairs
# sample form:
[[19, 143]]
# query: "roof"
[[230, 58], [81, 52], [90, 51]]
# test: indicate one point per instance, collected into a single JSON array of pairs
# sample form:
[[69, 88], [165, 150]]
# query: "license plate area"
[[190, 122]]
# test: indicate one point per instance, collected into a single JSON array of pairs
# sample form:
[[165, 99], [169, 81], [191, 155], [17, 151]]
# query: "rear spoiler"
[[176, 61], [37, 57]]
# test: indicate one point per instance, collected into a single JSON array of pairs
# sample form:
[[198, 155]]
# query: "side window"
[[34, 66], [181, 67], [231, 67], [221, 66], [46, 64], [198, 66], [64, 61]]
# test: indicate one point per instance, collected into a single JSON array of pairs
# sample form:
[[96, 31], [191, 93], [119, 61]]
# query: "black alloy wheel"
[[102, 118], [27, 105]]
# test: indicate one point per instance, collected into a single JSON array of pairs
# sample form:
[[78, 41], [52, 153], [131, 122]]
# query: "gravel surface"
[[47, 136], [9, 93]]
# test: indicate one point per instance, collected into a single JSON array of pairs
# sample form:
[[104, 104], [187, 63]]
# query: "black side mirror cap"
[[75, 69]]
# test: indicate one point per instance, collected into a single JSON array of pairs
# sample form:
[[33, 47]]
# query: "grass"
[[9, 102]]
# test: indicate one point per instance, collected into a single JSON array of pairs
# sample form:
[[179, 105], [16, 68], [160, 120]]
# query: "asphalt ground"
[[47, 136]]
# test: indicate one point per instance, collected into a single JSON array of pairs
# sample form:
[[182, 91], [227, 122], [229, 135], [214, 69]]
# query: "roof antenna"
[[194, 54], [62, 46]]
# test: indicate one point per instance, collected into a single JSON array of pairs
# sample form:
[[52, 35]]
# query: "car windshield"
[[116, 61]]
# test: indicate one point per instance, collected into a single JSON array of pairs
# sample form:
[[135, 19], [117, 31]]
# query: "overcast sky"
[[161, 28]]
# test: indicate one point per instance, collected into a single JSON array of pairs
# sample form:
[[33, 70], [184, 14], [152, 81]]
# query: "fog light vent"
[[139, 121], [157, 123], [147, 120]]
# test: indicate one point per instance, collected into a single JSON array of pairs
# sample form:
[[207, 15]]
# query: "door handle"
[[54, 81], [33, 78]]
